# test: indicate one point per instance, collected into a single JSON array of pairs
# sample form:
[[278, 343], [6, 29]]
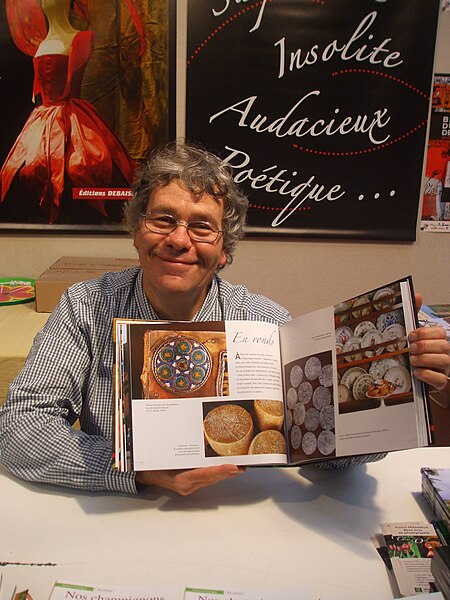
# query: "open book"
[[332, 383]]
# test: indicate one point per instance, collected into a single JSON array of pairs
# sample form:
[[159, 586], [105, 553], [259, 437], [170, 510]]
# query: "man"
[[186, 217]]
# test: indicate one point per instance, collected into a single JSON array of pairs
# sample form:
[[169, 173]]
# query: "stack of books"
[[440, 568], [436, 491]]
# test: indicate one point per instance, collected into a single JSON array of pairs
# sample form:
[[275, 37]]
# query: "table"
[[19, 323], [269, 528]]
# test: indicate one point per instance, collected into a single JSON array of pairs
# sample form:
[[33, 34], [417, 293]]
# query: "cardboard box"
[[69, 270]]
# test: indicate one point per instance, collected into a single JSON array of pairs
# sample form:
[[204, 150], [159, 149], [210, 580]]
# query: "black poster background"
[[363, 184]]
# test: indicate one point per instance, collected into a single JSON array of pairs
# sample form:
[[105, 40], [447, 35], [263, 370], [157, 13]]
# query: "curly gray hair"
[[201, 172]]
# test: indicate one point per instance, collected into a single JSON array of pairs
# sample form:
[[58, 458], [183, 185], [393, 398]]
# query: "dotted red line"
[[385, 75], [400, 138], [277, 209], [219, 28]]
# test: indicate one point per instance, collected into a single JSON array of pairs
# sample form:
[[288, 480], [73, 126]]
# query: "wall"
[[300, 274]]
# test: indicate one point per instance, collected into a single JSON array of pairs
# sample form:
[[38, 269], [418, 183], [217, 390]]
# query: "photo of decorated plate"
[[352, 345], [326, 443], [313, 368], [362, 328], [396, 333], [291, 397], [343, 334], [326, 376], [389, 318], [361, 312], [305, 392], [372, 338], [379, 367], [341, 311], [350, 376], [401, 377], [361, 386], [296, 376], [343, 393], [384, 293]]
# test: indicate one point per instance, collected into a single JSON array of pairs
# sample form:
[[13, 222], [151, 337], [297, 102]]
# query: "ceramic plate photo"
[[326, 376], [340, 310], [313, 367], [401, 377], [343, 334], [361, 312], [383, 293], [379, 367], [397, 334], [352, 345], [343, 393], [390, 318], [361, 386], [372, 338], [351, 375], [362, 328]]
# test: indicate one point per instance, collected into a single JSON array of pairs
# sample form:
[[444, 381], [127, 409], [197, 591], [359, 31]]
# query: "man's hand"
[[430, 354], [189, 481]]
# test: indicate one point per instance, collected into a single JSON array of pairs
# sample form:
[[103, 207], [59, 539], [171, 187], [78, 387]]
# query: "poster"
[[84, 97], [436, 193], [321, 108]]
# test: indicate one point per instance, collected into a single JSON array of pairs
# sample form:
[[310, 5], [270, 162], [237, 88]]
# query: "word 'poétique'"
[[275, 180]]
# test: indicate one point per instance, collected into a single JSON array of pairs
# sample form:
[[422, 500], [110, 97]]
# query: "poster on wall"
[[436, 192], [84, 97], [321, 108]]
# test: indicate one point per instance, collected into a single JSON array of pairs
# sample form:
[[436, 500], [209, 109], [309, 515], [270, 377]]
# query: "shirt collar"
[[207, 312], [146, 310]]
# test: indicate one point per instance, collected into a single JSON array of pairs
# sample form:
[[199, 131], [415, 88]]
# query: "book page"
[[348, 382]]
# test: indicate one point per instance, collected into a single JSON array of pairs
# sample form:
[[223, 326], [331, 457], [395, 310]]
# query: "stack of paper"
[[407, 551], [436, 491]]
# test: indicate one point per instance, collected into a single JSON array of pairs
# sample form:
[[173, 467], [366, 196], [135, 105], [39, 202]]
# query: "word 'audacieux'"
[[286, 126], [274, 180]]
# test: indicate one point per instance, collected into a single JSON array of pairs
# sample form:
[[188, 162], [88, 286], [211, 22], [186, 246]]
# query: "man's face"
[[176, 269]]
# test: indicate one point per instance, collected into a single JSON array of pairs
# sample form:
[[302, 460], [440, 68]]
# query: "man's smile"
[[172, 260]]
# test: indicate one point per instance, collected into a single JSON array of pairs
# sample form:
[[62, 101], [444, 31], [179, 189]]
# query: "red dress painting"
[[65, 143]]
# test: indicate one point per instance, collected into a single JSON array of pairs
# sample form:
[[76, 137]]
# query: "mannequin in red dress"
[[65, 143]]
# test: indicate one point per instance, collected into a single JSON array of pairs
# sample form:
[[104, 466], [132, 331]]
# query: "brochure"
[[63, 591], [332, 383], [192, 593], [410, 548]]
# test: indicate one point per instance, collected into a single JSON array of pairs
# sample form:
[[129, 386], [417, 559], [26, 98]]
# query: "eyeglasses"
[[198, 231]]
